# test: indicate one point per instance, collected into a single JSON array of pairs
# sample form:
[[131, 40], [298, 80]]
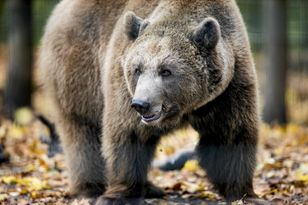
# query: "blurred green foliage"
[[41, 11], [252, 11], [1, 6], [253, 14]]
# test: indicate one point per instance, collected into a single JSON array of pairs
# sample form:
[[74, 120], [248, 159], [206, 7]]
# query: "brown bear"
[[119, 82]]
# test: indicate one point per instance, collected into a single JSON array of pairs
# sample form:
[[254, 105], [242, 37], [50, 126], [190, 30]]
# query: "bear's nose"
[[140, 106]]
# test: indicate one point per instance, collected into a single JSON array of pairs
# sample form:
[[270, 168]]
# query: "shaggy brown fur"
[[178, 62]]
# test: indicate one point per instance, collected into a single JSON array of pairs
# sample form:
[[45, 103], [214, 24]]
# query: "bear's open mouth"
[[150, 118]]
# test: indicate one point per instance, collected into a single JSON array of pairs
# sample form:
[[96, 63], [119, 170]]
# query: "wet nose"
[[140, 106]]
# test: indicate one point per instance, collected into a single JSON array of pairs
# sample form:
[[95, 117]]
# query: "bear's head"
[[173, 67]]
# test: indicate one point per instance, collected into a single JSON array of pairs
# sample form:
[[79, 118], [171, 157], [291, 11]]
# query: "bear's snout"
[[149, 114], [140, 106]]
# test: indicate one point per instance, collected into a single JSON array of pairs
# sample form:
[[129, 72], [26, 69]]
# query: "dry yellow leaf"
[[208, 195], [192, 187], [16, 132], [2, 131], [168, 150], [32, 183], [191, 165], [293, 128], [23, 116], [9, 179], [302, 177], [29, 168], [3, 197], [36, 194]]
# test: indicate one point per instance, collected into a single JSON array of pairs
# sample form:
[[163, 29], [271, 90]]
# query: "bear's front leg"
[[128, 148], [229, 167], [228, 129]]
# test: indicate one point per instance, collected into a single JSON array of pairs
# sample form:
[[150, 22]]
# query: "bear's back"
[[72, 49]]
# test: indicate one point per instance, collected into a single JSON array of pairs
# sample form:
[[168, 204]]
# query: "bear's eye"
[[137, 71], [165, 73]]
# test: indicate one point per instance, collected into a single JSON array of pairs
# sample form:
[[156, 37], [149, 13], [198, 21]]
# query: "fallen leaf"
[[191, 165]]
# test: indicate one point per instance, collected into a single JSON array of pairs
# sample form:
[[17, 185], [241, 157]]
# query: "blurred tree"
[[2, 3], [276, 60], [1, 6], [304, 25], [18, 86]]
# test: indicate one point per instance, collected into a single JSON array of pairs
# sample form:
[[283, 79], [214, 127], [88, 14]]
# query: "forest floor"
[[31, 177]]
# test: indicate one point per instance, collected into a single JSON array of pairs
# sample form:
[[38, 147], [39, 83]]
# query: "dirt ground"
[[31, 177]]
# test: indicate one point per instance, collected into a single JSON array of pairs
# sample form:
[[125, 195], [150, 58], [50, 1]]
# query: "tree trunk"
[[304, 30], [18, 86], [1, 7], [276, 60]]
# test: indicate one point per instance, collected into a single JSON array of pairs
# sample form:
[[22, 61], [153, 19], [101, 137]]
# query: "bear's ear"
[[133, 25], [207, 33]]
